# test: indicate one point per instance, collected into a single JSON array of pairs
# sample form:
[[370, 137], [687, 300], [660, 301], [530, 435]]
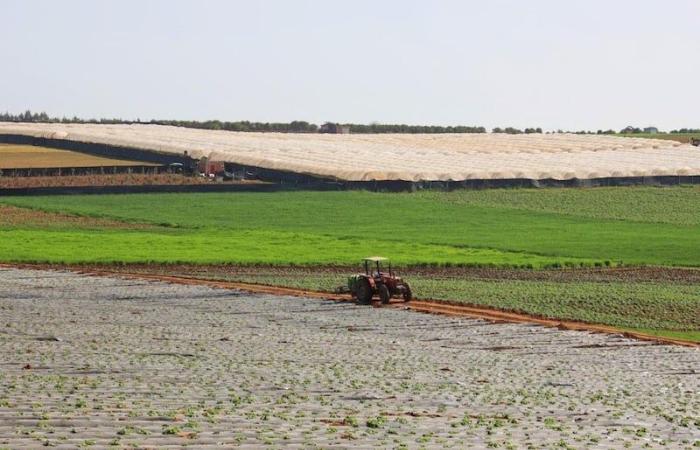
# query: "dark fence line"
[[669, 180], [300, 180], [374, 186]]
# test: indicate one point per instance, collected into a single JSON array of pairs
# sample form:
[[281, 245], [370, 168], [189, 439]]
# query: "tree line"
[[300, 126], [634, 130], [291, 127], [511, 130], [296, 126], [376, 128]]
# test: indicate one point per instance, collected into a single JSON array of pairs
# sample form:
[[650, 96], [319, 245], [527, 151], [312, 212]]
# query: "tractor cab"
[[373, 266], [375, 281]]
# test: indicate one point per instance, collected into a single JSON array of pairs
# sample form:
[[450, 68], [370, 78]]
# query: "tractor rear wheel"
[[407, 293], [364, 291], [384, 294]]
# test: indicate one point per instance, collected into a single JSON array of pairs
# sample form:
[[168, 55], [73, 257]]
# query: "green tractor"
[[375, 281]]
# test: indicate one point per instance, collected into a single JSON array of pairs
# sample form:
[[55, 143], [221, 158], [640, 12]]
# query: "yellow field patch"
[[34, 157]]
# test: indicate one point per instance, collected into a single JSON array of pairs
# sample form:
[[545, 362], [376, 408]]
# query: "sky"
[[571, 65]]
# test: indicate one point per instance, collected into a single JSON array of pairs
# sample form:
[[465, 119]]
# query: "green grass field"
[[501, 228], [538, 228]]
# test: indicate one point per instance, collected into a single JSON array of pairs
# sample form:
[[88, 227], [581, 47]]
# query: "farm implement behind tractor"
[[375, 281]]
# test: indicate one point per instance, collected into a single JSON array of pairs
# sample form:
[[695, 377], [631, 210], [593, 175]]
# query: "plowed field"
[[98, 362]]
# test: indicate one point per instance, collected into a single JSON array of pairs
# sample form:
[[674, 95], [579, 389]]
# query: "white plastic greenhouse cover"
[[408, 157]]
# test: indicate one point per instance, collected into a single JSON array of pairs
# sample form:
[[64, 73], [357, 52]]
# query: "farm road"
[[97, 361]]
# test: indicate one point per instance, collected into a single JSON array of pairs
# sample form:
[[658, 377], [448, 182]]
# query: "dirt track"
[[628, 274], [92, 360]]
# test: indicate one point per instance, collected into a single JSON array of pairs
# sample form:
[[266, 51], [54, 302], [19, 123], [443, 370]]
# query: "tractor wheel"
[[384, 294], [407, 293], [364, 291]]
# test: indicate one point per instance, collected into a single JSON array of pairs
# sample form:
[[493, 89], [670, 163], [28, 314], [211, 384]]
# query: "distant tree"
[[631, 130], [300, 126], [686, 131]]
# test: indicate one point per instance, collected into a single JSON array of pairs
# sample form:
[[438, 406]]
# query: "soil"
[[11, 216], [106, 180], [622, 274]]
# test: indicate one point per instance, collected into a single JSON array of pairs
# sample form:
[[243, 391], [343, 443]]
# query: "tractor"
[[375, 281]]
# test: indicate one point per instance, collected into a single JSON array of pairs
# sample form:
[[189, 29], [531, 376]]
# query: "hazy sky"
[[552, 63]]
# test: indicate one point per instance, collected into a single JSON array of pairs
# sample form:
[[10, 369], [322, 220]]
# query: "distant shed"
[[334, 128]]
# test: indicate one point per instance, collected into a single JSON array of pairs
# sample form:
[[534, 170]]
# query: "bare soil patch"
[[11, 216], [125, 179]]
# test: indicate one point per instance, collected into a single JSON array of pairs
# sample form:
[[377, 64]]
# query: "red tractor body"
[[375, 281]]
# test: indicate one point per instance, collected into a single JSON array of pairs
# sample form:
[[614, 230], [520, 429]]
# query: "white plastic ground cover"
[[408, 157]]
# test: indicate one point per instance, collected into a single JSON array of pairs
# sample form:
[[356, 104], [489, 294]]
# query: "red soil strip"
[[426, 306], [106, 180]]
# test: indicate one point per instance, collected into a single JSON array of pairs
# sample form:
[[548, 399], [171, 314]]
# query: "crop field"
[[523, 228], [34, 157], [676, 206], [94, 362], [303, 233]]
